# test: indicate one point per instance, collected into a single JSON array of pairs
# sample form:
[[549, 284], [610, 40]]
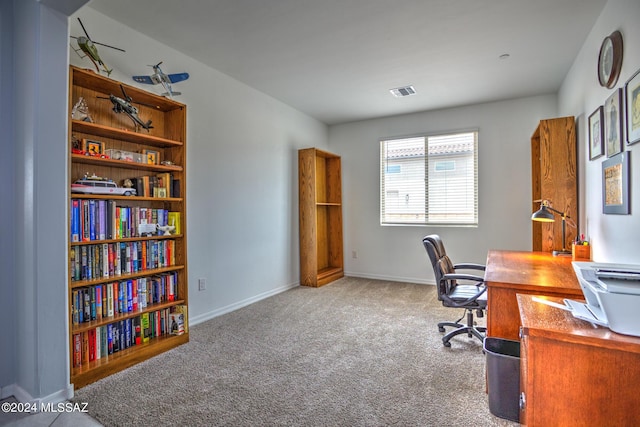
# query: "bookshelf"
[[554, 178], [320, 209], [125, 280]]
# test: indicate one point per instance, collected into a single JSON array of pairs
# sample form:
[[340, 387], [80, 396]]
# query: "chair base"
[[470, 329]]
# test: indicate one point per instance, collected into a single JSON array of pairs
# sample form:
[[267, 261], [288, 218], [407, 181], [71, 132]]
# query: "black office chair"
[[458, 290]]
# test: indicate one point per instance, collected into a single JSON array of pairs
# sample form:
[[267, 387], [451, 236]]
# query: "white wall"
[[7, 207], [33, 238], [396, 252], [614, 237], [242, 196]]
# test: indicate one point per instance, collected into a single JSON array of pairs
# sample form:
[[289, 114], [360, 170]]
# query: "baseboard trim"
[[235, 306], [420, 281], [23, 396]]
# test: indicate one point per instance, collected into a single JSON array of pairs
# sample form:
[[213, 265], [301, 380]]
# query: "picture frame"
[[152, 156], [596, 133], [92, 147], [632, 101], [613, 123], [615, 184]]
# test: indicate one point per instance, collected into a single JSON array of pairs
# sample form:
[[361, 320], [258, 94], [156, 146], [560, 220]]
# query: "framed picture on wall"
[[613, 123], [596, 134], [615, 184], [632, 97]]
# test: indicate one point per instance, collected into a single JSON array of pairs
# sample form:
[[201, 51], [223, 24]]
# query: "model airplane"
[[159, 77], [87, 46], [123, 105]]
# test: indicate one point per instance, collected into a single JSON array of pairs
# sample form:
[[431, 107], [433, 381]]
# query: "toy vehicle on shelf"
[[86, 153], [98, 185]]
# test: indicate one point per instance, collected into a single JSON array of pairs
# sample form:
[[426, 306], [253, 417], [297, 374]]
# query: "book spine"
[[92, 219], [98, 292], [110, 300], [84, 205], [102, 219], [77, 350], [75, 220], [98, 343]]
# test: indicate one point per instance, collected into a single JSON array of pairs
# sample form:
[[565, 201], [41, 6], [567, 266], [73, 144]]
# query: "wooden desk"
[[573, 373], [510, 272]]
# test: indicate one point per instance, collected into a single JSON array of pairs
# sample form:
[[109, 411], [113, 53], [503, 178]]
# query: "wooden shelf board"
[[128, 239], [134, 198], [123, 134], [329, 274], [85, 326], [141, 273], [89, 160], [106, 366]]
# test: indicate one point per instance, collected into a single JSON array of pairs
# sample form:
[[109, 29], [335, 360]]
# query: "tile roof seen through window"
[[434, 149]]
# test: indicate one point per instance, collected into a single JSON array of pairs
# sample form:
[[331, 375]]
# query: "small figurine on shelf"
[[80, 111], [166, 229]]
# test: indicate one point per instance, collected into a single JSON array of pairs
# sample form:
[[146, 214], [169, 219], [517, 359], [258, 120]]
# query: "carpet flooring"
[[355, 352]]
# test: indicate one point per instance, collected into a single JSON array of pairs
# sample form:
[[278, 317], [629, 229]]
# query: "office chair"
[[457, 290]]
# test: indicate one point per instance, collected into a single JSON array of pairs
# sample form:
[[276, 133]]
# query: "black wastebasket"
[[503, 377]]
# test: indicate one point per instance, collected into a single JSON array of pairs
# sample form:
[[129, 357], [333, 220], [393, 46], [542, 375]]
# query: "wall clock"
[[610, 60]]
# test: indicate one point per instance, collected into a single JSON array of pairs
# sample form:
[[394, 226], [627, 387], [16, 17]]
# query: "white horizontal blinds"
[[403, 181], [452, 186], [429, 180]]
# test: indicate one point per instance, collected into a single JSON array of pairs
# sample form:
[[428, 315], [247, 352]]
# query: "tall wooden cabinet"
[[127, 281], [554, 178], [320, 199]]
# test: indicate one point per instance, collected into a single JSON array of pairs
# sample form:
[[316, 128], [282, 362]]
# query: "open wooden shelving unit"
[[117, 131], [320, 200]]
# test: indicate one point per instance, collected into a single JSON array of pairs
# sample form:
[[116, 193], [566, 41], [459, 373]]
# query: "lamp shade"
[[542, 215]]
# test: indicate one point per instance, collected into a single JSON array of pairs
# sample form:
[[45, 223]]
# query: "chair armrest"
[[469, 266]]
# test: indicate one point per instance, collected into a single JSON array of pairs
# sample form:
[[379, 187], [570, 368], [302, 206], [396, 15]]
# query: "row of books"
[[125, 296], [160, 185], [90, 262], [103, 341], [103, 219]]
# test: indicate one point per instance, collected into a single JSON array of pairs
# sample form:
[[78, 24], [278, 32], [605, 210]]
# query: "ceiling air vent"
[[403, 91]]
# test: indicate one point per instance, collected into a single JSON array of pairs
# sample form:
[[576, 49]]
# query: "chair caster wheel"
[[446, 343], [440, 328]]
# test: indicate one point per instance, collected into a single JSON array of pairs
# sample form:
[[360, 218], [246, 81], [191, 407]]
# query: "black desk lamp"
[[543, 215]]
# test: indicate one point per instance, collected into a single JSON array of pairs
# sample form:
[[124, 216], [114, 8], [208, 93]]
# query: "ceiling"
[[337, 59]]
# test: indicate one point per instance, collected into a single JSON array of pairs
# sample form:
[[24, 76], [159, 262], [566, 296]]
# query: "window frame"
[[474, 220]]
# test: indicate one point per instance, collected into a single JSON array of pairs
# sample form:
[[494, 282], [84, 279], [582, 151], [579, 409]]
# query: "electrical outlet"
[[354, 254], [202, 284]]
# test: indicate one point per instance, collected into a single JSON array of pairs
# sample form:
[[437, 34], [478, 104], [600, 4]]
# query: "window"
[[429, 180]]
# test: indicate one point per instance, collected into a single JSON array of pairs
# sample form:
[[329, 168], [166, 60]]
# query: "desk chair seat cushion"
[[463, 293]]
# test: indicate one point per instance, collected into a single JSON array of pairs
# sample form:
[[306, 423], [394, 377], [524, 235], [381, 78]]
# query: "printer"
[[612, 294]]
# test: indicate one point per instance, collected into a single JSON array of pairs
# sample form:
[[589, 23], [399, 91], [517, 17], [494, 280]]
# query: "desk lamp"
[[543, 215]]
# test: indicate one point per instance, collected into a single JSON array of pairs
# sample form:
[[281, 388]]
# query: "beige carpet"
[[356, 352]]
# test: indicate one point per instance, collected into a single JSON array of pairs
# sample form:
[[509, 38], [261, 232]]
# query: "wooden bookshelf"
[[164, 271], [554, 178], [320, 199]]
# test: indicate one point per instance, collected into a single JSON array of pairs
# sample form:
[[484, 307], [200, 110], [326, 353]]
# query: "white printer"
[[612, 294]]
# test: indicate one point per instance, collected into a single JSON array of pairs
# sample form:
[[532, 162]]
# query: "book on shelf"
[[174, 219], [182, 309], [176, 322]]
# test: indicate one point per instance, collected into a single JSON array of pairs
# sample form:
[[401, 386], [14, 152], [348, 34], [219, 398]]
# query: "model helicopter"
[[89, 48], [123, 105], [159, 77]]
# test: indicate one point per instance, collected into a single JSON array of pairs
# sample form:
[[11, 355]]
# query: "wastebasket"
[[503, 377]]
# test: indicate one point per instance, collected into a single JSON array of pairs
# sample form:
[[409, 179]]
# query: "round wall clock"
[[610, 60]]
